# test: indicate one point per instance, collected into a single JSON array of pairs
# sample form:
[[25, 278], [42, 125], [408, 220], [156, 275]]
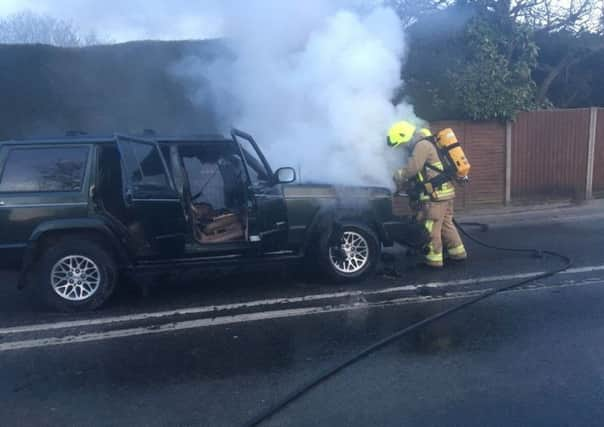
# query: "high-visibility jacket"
[[424, 153]]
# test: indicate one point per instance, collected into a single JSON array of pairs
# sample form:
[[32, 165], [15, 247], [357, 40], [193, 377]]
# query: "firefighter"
[[435, 202]]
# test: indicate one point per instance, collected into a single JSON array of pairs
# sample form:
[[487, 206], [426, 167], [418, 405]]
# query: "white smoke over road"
[[313, 82]]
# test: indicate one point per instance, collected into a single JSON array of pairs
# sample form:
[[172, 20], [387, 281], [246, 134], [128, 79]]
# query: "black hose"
[[499, 248], [294, 395]]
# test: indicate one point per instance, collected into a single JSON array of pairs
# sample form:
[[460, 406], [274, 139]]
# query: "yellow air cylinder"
[[447, 140]]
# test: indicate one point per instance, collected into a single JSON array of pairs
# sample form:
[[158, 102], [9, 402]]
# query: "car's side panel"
[[301, 215], [73, 224], [22, 212], [22, 218], [306, 210], [315, 209], [371, 212], [92, 227]]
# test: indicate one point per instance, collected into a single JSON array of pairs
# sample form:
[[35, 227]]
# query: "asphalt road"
[[214, 351]]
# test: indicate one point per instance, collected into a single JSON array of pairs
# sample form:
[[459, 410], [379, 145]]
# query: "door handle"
[[2, 203]]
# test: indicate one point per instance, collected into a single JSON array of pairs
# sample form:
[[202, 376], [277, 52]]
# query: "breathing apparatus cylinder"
[[447, 141]]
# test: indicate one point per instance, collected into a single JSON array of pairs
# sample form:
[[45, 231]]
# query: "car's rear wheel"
[[76, 275], [351, 254]]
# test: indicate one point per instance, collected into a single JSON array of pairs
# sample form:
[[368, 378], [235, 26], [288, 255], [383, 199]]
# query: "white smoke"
[[313, 82]]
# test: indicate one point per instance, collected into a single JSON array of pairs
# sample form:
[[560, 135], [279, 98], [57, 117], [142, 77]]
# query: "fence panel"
[[484, 144], [598, 185], [486, 152], [549, 154]]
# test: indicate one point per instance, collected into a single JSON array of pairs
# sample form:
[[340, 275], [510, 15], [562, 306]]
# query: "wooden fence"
[[598, 162], [542, 155], [549, 154]]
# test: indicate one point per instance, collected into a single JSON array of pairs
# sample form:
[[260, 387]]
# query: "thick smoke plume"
[[313, 82]]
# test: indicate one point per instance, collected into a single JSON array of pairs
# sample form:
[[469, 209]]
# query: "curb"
[[542, 214]]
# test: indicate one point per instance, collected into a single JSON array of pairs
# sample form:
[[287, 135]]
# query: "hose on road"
[[296, 394]]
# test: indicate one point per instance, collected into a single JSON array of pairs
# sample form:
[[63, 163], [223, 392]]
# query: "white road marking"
[[272, 302], [242, 318], [584, 269]]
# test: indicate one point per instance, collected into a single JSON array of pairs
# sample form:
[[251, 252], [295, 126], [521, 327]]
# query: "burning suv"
[[78, 212]]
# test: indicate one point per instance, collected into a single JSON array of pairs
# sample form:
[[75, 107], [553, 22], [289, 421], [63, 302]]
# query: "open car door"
[[268, 224], [156, 222]]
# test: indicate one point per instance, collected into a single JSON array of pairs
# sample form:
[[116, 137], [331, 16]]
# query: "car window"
[[205, 181], [44, 169], [215, 174], [257, 170], [150, 172]]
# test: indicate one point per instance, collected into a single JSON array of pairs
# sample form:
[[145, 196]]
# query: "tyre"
[[76, 275], [351, 254]]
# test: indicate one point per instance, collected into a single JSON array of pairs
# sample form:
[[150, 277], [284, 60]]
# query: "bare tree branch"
[[525, 7], [411, 10], [553, 15], [29, 27]]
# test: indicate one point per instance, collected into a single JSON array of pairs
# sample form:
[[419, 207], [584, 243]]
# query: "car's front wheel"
[[351, 253], [76, 275]]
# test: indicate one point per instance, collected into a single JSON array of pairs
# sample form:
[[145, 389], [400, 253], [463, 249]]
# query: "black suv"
[[77, 212]]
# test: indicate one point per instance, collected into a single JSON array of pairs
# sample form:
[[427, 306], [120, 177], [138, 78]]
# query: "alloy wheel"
[[352, 253], [75, 278]]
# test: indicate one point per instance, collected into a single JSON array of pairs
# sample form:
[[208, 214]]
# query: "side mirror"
[[285, 175]]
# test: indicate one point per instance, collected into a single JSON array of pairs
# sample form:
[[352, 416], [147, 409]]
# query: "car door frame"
[[271, 238], [159, 244], [202, 250]]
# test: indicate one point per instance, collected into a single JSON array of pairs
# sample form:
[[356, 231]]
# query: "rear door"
[[268, 215], [156, 222]]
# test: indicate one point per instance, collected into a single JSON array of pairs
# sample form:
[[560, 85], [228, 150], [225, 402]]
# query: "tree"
[[563, 68], [436, 46], [574, 16], [578, 81], [487, 59], [494, 82], [568, 33], [471, 60], [29, 28]]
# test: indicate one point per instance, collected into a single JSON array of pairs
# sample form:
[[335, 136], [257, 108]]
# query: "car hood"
[[334, 191]]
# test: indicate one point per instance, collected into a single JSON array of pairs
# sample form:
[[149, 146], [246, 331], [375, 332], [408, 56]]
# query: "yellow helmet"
[[400, 133]]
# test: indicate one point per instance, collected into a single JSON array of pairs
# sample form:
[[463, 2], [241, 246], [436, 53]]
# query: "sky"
[[125, 20]]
